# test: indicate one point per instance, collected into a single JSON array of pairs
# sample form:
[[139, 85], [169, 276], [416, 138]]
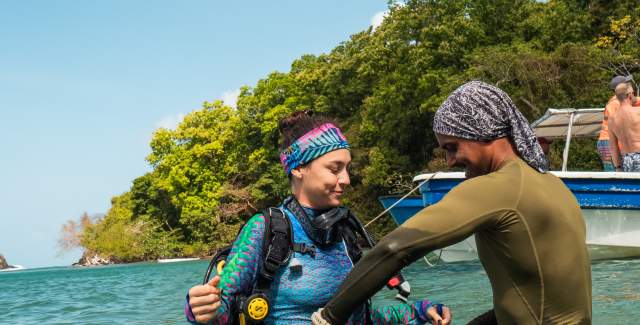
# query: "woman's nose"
[[343, 178]]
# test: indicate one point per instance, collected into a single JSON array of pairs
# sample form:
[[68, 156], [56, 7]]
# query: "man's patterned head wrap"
[[482, 112], [312, 145]]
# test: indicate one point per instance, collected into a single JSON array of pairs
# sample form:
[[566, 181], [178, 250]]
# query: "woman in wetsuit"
[[316, 157]]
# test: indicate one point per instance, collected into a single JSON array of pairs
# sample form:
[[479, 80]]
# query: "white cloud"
[[170, 122], [377, 19], [230, 97]]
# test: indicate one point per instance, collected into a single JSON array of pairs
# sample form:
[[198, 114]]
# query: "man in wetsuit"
[[528, 226], [624, 132]]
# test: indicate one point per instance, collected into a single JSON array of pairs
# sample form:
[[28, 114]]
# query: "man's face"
[[473, 156]]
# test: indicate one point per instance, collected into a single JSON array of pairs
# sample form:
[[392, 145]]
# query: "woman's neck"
[[302, 198], [309, 209]]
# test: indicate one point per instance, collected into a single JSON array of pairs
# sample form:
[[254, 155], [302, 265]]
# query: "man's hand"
[[205, 300], [445, 319]]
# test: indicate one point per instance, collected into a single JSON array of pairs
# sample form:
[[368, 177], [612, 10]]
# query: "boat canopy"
[[568, 123], [556, 123]]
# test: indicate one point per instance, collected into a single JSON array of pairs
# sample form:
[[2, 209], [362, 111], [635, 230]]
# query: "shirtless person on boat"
[[624, 132], [528, 226], [609, 110]]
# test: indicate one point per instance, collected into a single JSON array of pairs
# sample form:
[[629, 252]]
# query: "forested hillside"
[[221, 163]]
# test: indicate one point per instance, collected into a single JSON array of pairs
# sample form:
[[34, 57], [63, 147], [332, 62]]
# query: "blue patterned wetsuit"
[[294, 295]]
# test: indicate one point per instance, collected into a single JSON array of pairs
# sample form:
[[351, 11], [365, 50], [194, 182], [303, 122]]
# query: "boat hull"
[[610, 203]]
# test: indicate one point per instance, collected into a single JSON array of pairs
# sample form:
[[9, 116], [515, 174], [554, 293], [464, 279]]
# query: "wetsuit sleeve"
[[241, 268], [488, 318], [189, 313], [469, 207], [402, 313]]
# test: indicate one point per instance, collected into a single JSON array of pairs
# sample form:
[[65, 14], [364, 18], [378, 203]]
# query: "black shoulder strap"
[[277, 243], [277, 246]]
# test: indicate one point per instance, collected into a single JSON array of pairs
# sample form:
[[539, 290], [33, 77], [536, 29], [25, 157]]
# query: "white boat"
[[610, 201], [174, 260]]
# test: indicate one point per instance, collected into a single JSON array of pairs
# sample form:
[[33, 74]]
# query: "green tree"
[[383, 85]]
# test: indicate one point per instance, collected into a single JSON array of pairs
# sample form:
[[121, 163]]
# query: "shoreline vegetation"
[[220, 165]]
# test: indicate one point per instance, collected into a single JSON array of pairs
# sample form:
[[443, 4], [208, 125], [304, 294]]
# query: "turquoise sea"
[[150, 293]]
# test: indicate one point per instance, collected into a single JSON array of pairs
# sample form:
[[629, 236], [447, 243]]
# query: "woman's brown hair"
[[298, 124]]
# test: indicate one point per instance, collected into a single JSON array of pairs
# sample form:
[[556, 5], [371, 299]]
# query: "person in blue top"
[[316, 157]]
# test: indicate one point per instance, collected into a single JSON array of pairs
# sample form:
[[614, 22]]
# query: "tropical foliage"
[[220, 165]]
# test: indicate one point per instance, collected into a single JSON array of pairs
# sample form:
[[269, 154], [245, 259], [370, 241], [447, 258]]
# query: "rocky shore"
[[92, 259], [3, 263]]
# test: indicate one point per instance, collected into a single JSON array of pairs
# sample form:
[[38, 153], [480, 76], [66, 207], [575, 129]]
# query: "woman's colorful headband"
[[311, 145]]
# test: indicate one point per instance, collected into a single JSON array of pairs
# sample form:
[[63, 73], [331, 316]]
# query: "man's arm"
[[614, 147], [469, 207]]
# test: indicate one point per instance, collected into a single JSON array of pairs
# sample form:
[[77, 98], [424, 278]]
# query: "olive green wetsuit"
[[530, 235]]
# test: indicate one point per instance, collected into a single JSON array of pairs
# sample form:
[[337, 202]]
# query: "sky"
[[83, 85]]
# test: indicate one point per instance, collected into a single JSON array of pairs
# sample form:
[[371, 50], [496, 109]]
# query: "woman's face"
[[321, 183]]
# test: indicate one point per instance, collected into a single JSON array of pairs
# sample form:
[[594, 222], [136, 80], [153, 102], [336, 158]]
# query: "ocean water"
[[150, 293]]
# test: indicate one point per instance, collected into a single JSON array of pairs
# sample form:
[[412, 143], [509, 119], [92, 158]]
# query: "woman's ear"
[[296, 173]]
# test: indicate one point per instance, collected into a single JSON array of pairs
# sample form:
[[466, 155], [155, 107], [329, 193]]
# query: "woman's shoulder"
[[255, 224], [258, 222], [260, 217], [257, 218]]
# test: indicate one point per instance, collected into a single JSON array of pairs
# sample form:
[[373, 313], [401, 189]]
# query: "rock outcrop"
[[92, 259], [3, 263]]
